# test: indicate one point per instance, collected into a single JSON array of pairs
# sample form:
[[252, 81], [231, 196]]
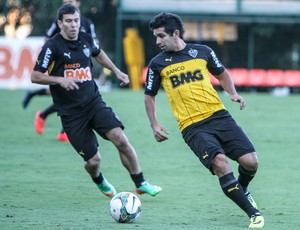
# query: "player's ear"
[[176, 33], [59, 23]]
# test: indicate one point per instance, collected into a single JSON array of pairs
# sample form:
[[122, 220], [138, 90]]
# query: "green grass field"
[[43, 184]]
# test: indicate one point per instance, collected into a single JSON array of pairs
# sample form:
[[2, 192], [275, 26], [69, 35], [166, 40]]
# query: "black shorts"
[[217, 134], [80, 127]]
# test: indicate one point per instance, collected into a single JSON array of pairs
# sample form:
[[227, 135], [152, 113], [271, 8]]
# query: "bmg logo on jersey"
[[83, 74], [182, 78]]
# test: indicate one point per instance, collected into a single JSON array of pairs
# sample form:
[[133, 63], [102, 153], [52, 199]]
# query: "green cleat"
[[257, 221], [251, 200], [106, 188], [146, 187]]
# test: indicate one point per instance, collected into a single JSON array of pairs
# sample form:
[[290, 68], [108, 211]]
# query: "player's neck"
[[180, 45]]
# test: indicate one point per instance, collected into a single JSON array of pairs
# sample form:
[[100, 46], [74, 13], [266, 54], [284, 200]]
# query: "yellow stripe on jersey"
[[191, 95], [50, 68]]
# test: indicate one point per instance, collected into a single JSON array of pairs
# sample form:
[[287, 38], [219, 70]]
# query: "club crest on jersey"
[[193, 53], [86, 52]]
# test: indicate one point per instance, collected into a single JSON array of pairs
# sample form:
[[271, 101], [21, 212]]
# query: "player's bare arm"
[[44, 79], [158, 130], [228, 85], [105, 61]]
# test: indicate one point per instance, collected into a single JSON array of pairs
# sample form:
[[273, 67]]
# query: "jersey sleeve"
[[214, 66], [87, 26], [153, 80], [53, 29], [92, 29], [96, 48], [45, 57]]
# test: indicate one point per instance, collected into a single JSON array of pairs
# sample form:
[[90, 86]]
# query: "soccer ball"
[[125, 207]]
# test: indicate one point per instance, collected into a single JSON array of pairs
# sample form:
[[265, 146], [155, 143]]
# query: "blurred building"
[[220, 22]]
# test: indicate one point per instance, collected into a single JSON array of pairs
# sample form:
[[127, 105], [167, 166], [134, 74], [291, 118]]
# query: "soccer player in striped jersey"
[[207, 127]]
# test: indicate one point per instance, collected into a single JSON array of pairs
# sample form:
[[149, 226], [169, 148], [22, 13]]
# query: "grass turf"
[[43, 184]]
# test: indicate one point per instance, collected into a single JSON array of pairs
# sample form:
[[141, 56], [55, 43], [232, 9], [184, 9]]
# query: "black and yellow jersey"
[[64, 58], [185, 78]]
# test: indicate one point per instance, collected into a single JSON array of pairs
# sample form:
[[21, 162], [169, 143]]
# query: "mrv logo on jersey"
[[150, 79], [216, 60], [46, 58]]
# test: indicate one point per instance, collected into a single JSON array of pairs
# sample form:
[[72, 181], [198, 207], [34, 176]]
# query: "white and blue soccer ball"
[[125, 207]]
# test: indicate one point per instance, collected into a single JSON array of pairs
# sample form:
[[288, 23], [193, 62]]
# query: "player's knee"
[[118, 138], [249, 161], [220, 165], [253, 165], [94, 162], [120, 141]]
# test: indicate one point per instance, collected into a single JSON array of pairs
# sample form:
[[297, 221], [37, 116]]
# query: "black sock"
[[39, 92], [138, 179], [232, 189], [245, 177], [49, 110], [98, 179]]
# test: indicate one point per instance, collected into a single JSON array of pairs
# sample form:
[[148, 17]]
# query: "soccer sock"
[[245, 177], [49, 110], [39, 92], [99, 179], [138, 179], [232, 189]]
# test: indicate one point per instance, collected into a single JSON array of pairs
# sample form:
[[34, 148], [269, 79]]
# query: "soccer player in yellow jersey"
[[206, 126]]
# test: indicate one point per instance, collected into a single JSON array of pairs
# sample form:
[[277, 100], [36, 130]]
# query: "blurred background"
[[245, 34]]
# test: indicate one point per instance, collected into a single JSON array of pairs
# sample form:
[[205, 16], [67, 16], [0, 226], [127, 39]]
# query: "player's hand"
[[69, 83], [239, 99], [159, 133], [123, 78]]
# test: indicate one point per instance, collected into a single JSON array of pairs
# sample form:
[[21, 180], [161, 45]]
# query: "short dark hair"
[[66, 9], [169, 21]]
